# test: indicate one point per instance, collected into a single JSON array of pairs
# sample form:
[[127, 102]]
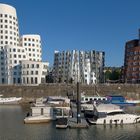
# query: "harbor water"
[[12, 127]]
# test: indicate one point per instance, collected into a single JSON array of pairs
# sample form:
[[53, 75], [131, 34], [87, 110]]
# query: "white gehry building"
[[12, 64], [15, 49], [33, 72], [32, 45]]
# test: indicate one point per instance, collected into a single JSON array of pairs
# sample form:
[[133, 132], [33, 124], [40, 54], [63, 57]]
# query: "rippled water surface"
[[13, 128]]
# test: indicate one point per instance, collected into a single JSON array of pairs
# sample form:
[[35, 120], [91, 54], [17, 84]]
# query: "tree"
[[115, 75]]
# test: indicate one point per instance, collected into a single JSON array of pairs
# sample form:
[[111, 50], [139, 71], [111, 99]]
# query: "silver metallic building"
[[83, 66]]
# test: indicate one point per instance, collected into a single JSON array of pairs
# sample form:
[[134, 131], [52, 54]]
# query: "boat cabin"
[[49, 111], [85, 99]]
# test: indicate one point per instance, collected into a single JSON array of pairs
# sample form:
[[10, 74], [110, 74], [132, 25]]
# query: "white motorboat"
[[110, 114], [9, 100]]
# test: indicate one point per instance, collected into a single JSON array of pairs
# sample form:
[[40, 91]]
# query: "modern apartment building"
[[33, 72], [15, 49], [12, 64], [83, 66], [9, 36], [32, 45], [132, 61]]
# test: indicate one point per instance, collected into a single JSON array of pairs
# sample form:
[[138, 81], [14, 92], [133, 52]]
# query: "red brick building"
[[132, 62]]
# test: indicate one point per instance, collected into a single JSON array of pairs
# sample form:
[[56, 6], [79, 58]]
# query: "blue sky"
[[102, 25]]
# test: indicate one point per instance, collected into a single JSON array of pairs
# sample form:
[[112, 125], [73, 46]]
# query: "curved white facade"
[[32, 45], [9, 35], [9, 31], [33, 72], [13, 51], [13, 57]]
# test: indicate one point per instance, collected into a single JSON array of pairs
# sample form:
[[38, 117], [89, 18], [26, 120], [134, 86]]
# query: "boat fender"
[[116, 121], [104, 121], [110, 121], [121, 121]]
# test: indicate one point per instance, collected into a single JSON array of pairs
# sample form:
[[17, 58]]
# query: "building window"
[[15, 73], [6, 42], [36, 80], [27, 80], [14, 80], [19, 80], [15, 61], [23, 80], [15, 55], [3, 81], [32, 72], [36, 72], [43, 73]]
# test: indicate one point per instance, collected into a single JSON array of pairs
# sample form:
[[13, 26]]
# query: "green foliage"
[[49, 79], [113, 75]]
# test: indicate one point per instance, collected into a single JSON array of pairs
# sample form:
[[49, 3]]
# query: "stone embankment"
[[29, 93]]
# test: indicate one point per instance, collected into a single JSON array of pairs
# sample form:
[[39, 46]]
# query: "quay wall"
[[31, 92]]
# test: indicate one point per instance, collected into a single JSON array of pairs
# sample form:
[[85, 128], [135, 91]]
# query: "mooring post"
[[78, 104]]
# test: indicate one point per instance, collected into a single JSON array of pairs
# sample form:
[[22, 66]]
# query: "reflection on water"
[[13, 128]]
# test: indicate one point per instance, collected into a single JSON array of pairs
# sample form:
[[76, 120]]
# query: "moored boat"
[[119, 100], [111, 114], [45, 112], [62, 123], [9, 100]]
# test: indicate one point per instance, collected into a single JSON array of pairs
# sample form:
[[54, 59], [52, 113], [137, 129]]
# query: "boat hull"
[[117, 120], [62, 123], [10, 100], [37, 119]]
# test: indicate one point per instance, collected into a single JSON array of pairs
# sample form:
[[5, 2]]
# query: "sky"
[[101, 25]]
